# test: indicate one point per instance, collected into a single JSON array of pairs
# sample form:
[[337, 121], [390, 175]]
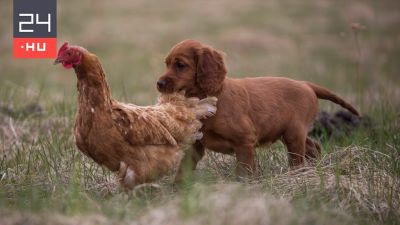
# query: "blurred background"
[[311, 40]]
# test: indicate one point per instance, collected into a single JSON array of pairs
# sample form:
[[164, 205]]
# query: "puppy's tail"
[[324, 93]]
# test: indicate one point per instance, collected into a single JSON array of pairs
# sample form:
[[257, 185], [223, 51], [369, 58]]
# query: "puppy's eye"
[[180, 65]]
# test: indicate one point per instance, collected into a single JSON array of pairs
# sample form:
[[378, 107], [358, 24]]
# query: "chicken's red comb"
[[63, 48]]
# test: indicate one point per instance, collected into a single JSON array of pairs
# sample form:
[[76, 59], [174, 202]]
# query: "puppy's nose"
[[161, 84]]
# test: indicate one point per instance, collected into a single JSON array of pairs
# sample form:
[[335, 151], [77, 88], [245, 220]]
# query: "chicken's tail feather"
[[206, 107]]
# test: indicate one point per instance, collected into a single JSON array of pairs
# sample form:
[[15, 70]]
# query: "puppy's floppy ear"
[[211, 70]]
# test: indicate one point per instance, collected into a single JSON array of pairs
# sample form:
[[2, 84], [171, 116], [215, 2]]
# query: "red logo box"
[[35, 47]]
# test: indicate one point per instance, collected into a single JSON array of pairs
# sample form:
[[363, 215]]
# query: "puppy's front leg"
[[189, 161], [245, 155]]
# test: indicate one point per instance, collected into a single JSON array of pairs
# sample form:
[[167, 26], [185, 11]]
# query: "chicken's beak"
[[57, 61]]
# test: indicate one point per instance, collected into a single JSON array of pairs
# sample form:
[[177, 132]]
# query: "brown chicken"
[[141, 143]]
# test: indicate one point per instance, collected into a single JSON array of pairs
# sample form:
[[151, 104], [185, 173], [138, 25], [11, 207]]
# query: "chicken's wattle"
[[67, 65]]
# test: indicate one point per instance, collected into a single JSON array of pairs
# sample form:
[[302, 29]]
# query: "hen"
[[141, 143]]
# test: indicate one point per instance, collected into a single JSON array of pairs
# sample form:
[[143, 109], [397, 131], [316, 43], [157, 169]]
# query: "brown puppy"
[[250, 111]]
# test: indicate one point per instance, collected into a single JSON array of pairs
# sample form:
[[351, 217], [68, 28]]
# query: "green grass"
[[44, 179]]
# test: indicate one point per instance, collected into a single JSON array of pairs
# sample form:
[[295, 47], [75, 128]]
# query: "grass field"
[[44, 179]]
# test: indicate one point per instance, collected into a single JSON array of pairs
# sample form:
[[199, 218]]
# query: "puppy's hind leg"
[[313, 149], [295, 141]]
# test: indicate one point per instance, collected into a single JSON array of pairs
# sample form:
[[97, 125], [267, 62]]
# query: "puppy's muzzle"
[[161, 85]]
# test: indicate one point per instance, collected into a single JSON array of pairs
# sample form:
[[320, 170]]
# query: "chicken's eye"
[[180, 65]]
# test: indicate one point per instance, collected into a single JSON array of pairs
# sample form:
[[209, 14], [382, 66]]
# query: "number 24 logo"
[[31, 22]]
